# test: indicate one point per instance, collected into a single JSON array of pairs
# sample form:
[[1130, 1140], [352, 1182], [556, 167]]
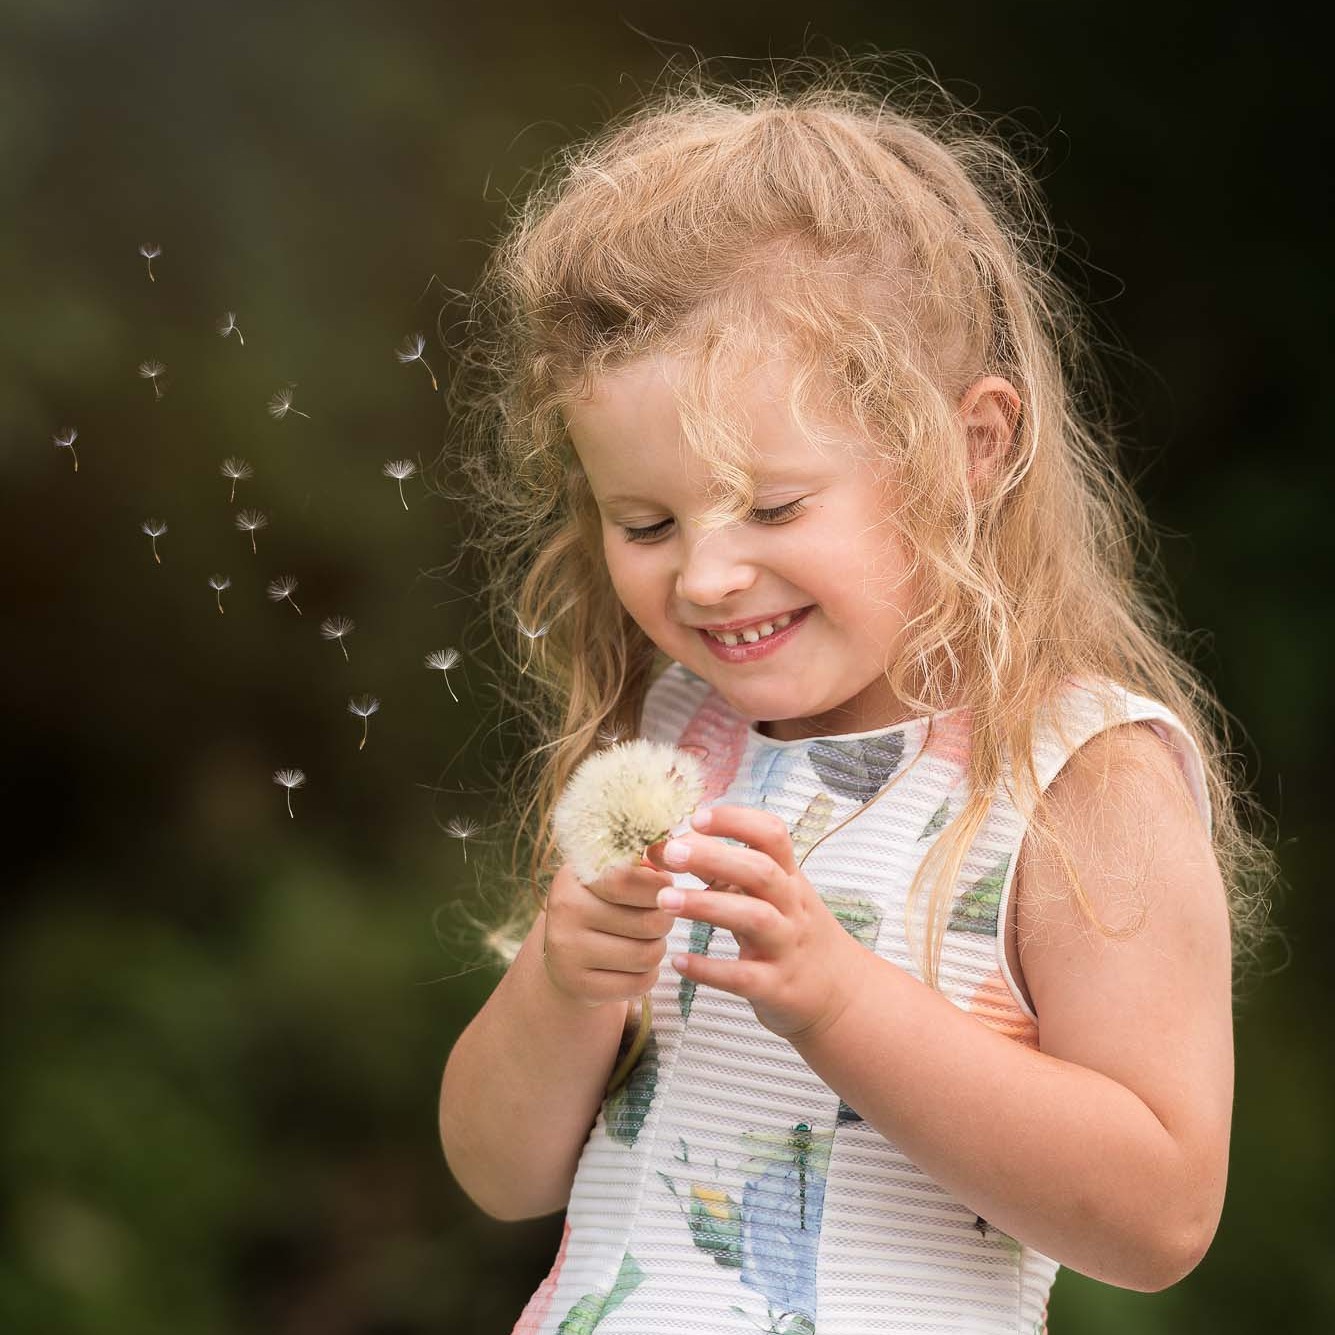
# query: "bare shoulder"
[[1150, 1004]]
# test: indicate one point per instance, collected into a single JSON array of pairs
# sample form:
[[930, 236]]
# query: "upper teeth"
[[753, 633]]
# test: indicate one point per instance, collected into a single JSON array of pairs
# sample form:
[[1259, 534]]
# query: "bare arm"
[[523, 1085], [1108, 1149], [522, 1088]]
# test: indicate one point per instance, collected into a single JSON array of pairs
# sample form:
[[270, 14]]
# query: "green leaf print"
[[713, 1217], [976, 909], [940, 819], [701, 932], [625, 1111], [812, 823], [859, 918], [585, 1315]]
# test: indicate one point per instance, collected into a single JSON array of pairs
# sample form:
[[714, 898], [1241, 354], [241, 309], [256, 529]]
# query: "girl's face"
[[818, 547]]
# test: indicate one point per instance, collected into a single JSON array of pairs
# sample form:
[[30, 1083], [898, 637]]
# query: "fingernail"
[[671, 899], [676, 851], [701, 818]]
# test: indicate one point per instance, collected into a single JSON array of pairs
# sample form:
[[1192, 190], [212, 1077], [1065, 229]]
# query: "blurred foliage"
[[223, 1029]]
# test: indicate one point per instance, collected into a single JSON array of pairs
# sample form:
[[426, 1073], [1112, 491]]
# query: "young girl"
[[786, 454]]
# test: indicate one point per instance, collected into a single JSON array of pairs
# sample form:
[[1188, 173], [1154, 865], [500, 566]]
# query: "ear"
[[990, 413]]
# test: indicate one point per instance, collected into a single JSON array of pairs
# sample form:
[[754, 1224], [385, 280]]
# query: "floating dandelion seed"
[[410, 350], [531, 635], [250, 520], [152, 370], [463, 830], [283, 587], [399, 469], [218, 583], [289, 779], [64, 440], [227, 325], [363, 706], [155, 528], [442, 660], [611, 735], [338, 628], [238, 470], [150, 251], [281, 404]]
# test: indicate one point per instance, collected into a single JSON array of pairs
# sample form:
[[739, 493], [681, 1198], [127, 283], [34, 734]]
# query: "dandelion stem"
[[289, 804], [431, 373], [344, 647], [232, 497], [156, 557], [293, 601], [220, 606], [76, 459], [299, 413], [252, 543], [366, 723], [451, 689], [405, 503]]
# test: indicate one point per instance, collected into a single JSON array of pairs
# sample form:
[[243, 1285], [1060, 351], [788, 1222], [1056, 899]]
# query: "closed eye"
[[779, 514]]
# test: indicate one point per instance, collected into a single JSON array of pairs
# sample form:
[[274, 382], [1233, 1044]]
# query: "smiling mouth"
[[754, 634]]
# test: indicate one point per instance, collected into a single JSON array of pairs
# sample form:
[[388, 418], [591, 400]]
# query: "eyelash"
[[777, 515]]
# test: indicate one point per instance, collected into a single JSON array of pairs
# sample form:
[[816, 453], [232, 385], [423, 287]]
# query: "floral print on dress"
[[718, 737], [858, 767], [812, 823], [702, 933], [976, 909], [782, 1205], [624, 1112], [588, 1311], [940, 819], [713, 1217]]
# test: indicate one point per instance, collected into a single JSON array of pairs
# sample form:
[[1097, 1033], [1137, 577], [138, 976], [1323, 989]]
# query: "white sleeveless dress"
[[726, 1189]]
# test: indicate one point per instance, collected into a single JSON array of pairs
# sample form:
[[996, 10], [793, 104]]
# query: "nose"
[[714, 567]]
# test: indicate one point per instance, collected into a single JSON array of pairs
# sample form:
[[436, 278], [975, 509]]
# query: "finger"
[[642, 924], [740, 977], [761, 830], [636, 887], [719, 863], [752, 920]]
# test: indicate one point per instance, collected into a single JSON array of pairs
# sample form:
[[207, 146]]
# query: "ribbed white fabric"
[[727, 1188]]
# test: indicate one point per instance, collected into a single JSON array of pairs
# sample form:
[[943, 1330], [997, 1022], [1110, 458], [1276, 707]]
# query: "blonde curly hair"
[[899, 251]]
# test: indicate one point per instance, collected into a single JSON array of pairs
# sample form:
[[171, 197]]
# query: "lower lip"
[[746, 653]]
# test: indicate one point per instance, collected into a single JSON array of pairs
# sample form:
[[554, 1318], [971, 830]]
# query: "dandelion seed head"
[[155, 528], [442, 660], [611, 735], [150, 250], [227, 324], [250, 520], [363, 705], [399, 468], [65, 439], [219, 582], [237, 470], [335, 628], [150, 370], [289, 778], [621, 800], [411, 348], [460, 827], [282, 587]]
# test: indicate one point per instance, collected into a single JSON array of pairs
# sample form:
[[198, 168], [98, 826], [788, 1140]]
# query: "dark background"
[[223, 1029]]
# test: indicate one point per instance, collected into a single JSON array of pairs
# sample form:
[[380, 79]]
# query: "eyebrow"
[[792, 474]]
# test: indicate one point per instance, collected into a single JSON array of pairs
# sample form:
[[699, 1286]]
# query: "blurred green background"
[[223, 1029]]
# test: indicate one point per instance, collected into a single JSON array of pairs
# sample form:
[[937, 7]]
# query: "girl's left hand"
[[796, 965]]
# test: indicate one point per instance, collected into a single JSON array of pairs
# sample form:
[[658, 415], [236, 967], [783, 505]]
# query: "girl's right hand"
[[604, 942]]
